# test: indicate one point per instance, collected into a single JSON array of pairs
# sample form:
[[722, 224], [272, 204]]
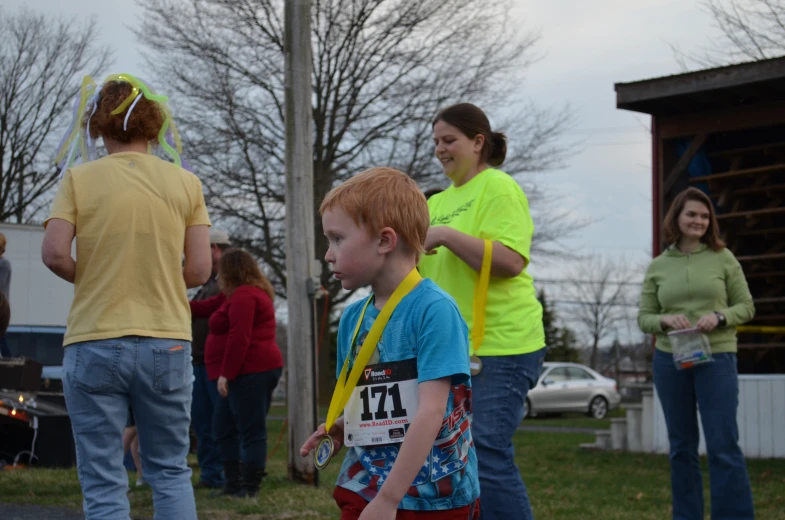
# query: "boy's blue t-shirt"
[[428, 327]]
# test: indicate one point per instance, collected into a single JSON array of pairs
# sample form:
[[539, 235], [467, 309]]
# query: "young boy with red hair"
[[407, 422]]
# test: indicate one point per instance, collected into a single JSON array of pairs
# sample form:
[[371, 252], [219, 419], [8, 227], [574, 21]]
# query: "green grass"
[[574, 420], [564, 482], [279, 498], [283, 411], [568, 420], [568, 483]]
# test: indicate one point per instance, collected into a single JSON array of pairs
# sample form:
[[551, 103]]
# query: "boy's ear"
[[388, 239]]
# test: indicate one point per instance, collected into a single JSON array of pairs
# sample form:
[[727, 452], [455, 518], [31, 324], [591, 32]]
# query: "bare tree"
[[601, 295], [42, 60], [749, 30], [382, 68]]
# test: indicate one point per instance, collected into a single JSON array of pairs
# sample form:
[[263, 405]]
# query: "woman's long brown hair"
[[237, 267], [671, 230]]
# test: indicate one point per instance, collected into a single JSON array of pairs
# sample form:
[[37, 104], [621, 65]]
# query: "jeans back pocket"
[[96, 365], [172, 368]]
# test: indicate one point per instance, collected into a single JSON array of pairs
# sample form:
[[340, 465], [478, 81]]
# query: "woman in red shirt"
[[241, 354]]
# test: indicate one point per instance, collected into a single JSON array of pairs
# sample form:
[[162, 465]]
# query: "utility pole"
[[300, 249]]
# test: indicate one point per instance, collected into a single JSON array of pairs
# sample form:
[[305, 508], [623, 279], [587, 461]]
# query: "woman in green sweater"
[[697, 282]]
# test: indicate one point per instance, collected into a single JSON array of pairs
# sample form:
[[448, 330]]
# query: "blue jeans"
[[154, 376], [240, 421], [498, 394], [205, 400], [714, 388]]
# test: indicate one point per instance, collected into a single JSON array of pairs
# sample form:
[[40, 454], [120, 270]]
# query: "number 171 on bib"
[[382, 405]]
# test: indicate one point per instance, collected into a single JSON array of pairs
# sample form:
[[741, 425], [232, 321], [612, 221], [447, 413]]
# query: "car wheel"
[[527, 408], [598, 408]]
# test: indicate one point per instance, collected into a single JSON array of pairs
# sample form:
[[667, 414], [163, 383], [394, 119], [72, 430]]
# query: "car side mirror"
[[547, 381]]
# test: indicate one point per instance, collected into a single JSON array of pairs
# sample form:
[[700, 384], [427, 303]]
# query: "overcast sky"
[[589, 45]]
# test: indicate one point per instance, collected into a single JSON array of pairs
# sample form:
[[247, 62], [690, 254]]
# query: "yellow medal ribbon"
[[345, 386], [481, 298]]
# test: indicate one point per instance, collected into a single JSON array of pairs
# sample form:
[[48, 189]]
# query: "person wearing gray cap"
[[205, 393]]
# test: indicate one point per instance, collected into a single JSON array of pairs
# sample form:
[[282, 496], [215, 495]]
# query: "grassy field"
[[564, 482], [568, 420], [574, 420]]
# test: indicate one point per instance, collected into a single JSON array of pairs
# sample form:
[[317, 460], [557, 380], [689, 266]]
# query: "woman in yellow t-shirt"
[[140, 227], [486, 206]]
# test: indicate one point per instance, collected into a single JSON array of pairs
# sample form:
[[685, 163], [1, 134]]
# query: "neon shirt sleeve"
[[506, 219]]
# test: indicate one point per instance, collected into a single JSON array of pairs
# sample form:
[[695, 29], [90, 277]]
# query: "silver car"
[[570, 387]]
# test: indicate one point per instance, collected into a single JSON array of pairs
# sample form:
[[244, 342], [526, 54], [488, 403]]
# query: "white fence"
[[761, 418]]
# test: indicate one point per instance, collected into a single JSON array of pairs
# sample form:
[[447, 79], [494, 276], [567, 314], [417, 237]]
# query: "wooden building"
[[723, 131]]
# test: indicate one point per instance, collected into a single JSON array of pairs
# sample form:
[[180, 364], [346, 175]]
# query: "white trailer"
[[38, 298]]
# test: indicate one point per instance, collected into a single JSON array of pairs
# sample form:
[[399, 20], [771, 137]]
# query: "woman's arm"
[[198, 261], [242, 309], [505, 263], [56, 249], [206, 308], [649, 312], [741, 308]]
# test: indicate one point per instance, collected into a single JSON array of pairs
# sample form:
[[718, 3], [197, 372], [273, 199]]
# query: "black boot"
[[234, 481], [253, 479]]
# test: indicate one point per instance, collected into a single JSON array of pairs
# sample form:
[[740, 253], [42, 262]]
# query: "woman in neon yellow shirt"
[[485, 205]]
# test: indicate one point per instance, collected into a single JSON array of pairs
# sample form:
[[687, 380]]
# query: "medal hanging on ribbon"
[[324, 452], [345, 385], [478, 313]]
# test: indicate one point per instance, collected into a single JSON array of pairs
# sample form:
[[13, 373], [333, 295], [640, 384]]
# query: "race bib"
[[383, 404]]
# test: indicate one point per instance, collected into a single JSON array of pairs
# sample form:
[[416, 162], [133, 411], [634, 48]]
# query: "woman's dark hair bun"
[[498, 151]]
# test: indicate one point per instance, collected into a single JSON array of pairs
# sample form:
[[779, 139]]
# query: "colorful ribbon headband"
[[78, 145]]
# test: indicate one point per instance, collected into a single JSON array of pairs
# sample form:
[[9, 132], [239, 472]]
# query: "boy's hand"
[[336, 432], [379, 508]]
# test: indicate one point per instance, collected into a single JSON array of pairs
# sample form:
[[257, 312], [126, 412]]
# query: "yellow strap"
[[130, 99], [481, 298], [345, 386], [760, 330]]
